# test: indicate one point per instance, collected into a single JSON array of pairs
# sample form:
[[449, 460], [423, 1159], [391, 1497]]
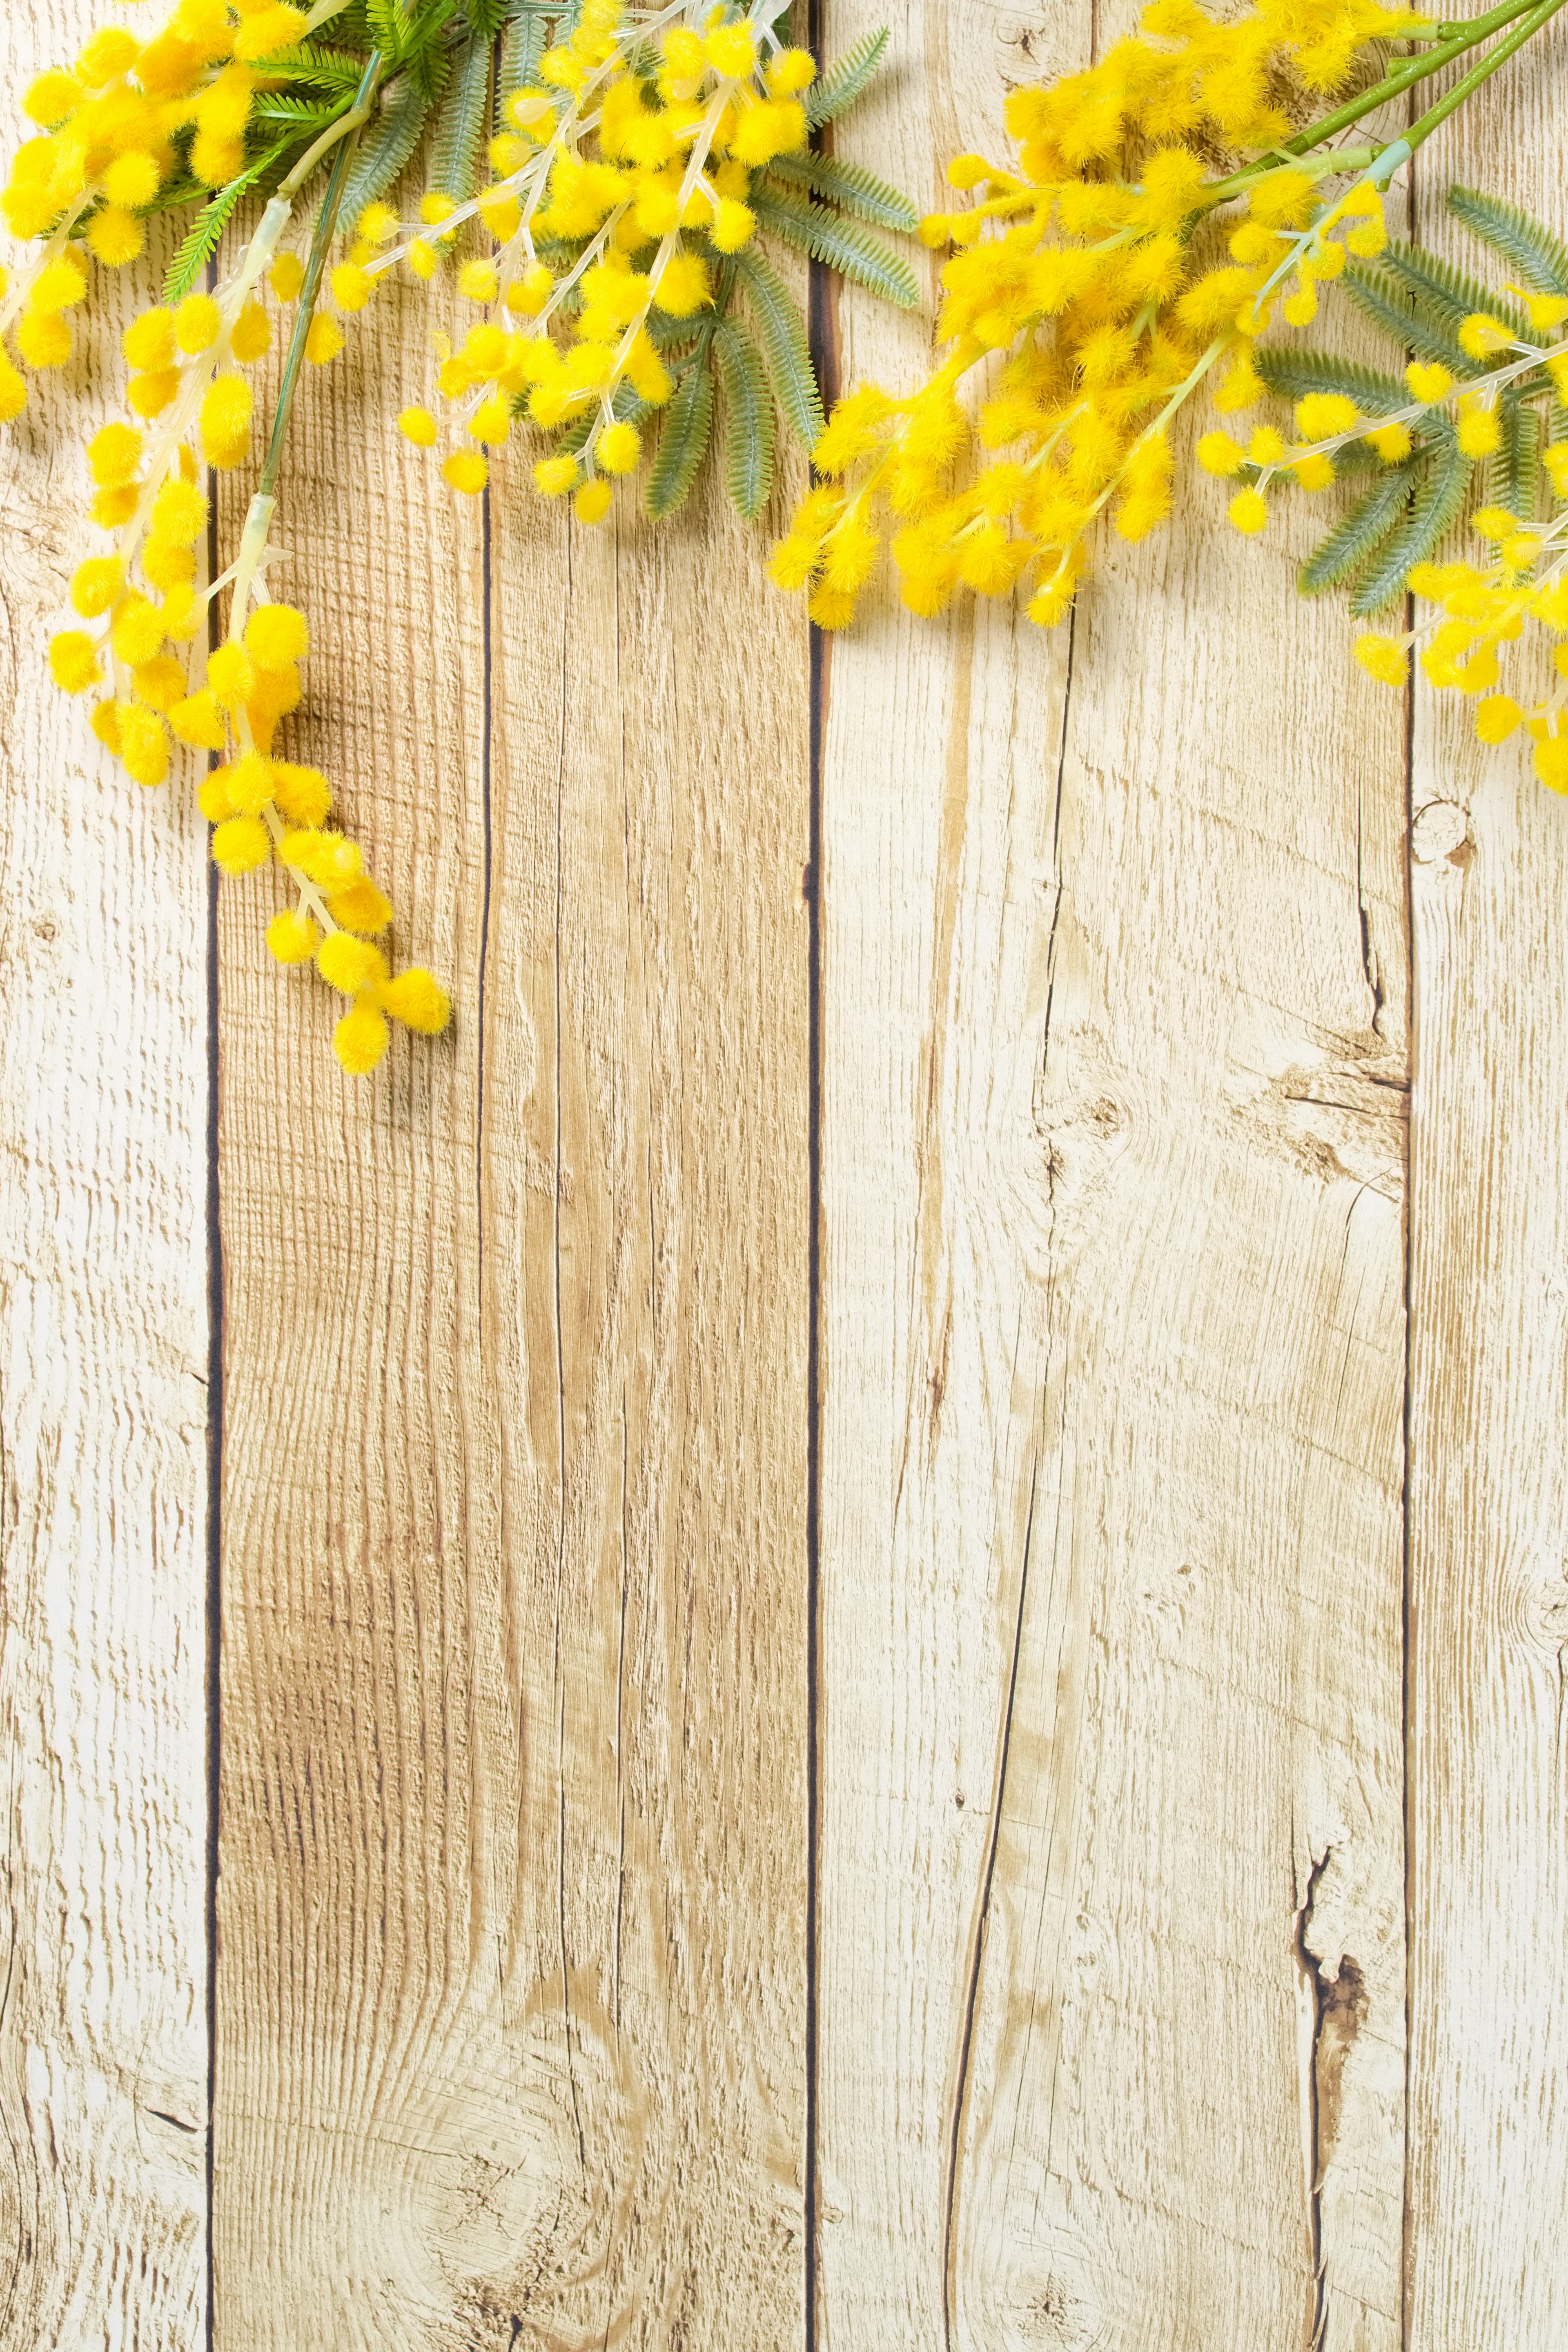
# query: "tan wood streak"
[[512, 1993], [1112, 1327], [1489, 2173], [103, 1367]]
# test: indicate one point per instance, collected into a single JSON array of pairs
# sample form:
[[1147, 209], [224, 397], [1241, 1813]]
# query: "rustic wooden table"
[[850, 1628]]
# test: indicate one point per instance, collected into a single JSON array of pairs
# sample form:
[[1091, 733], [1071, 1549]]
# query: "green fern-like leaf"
[[1384, 299], [1434, 510], [454, 154], [1513, 470], [1442, 293], [844, 79], [521, 46], [214, 218], [484, 18], [748, 420], [848, 186], [302, 114], [309, 61], [1353, 543], [1540, 258], [1293, 375], [683, 442], [385, 152], [781, 330], [853, 252]]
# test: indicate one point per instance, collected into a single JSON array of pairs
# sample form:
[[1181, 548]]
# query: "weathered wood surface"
[[103, 1444], [1114, 1064], [512, 1984], [1488, 1490], [1013, 1951]]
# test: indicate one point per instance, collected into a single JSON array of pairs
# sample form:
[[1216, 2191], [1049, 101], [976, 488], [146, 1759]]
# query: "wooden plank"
[[1489, 2174], [103, 1370], [1114, 1023], [513, 1933]]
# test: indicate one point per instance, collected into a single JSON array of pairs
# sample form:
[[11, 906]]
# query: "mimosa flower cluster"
[[1085, 307], [633, 159]]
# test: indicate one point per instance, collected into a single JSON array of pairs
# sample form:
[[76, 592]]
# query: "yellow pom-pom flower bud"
[[1314, 472], [292, 936], [491, 421], [198, 720], [287, 276], [361, 1038], [790, 72], [467, 471], [1550, 762], [1218, 454], [683, 287], [179, 513], [591, 503], [303, 794], [226, 422], [133, 180], [149, 396], [1266, 447], [51, 97], [618, 448], [143, 745], [733, 226], [137, 631], [349, 964], [1480, 336], [240, 844], [323, 340], [1497, 718], [73, 661], [417, 424], [44, 339], [1480, 432], [477, 281], [1429, 382], [418, 999], [13, 390], [96, 584], [352, 286], [361, 908], [1385, 658], [115, 237], [249, 783], [149, 341], [731, 51], [197, 323], [114, 453], [160, 683], [230, 675], [1249, 511], [555, 476], [276, 633], [252, 335], [1321, 414]]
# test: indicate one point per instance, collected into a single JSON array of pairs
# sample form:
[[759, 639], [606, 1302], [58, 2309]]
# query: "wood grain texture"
[[103, 1369], [1112, 1962], [512, 1976], [1488, 1560]]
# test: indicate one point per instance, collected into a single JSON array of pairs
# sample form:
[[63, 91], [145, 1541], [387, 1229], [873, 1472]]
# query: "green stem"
[[1475, 26], [1404, 77], [1539, 15], [326, 226]]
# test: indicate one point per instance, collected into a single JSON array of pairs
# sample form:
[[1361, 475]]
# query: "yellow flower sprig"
[[1085, 307], [618, 189], [145, 601]]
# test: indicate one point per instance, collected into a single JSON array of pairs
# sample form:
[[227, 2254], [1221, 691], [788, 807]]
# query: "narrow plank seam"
[[822, 336], [213, 1693]]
